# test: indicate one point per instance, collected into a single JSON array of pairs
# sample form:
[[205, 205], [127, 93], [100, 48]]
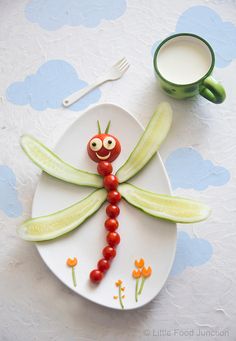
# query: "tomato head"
[[103, 147]]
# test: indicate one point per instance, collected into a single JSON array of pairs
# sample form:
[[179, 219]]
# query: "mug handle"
[[212, 90]]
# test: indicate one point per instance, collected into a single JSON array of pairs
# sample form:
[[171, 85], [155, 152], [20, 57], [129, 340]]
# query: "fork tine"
[[119, 62], [125, 62], [124, 66]]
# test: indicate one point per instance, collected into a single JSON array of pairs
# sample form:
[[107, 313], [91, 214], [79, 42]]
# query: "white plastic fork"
[[115, 72]]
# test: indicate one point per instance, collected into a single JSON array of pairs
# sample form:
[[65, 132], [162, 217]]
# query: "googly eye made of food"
[[95, 144], [109, 142]]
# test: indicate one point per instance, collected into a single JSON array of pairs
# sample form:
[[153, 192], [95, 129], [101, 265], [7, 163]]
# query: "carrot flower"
[[136, 273], [141, 272], [146, 272], [139, 263], [121, 290], [72, 263], [118, 283]]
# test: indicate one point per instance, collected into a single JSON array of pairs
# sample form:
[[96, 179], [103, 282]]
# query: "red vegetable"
[[109, 252], [112, 211], [113, 197], [96, 276], [103, 147], [111, 224], [103, 265], [110, 182], [104, 168], [113, 238]]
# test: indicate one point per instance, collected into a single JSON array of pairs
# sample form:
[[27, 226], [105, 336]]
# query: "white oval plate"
[[142, 236]]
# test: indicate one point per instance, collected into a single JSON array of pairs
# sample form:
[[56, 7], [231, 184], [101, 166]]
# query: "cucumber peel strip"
[[150, 141], [175, 209], [56, 224], [53, 165]]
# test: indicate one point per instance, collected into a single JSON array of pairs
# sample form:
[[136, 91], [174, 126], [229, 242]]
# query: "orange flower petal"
[[139, 263], [146, 272], [118, 283], [72, 262], [136, 273], [123, 289], [123, 296], [115, 297]]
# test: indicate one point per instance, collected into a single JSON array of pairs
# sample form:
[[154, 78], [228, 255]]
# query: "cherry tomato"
[[113, 238], [111, 224], [104, 168], [96, 276], [108, 252], [103, 147], [110, 182], [112, 211], [113, 197], [103, 265]]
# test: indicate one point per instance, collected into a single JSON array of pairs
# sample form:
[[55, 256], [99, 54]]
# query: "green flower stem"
[[73, 276], [141, 286], [136, 290], [120, 298]]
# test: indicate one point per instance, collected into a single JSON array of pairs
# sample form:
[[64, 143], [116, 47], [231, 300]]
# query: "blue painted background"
[[53, 14], [187, 169], [54, 80], [190, 252], [9, 202]]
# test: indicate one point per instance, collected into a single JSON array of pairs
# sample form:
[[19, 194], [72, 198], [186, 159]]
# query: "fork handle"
[[79, 94]]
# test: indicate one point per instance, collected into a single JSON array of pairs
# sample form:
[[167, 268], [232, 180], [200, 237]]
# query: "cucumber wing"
[[179, 210], [61, 222], [154, 134], [51, 163]]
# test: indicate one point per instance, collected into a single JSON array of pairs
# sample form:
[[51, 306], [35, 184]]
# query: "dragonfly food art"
[[103, 149]]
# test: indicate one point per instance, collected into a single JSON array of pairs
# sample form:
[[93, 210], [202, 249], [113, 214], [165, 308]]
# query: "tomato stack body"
[[103, 149]]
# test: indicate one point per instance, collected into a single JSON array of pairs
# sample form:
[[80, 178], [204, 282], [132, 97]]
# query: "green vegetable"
[[61, 222], [53, 165], [149, 143], [167, 207]]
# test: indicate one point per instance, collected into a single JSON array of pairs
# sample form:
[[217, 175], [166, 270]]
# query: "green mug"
[[183, 64]]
